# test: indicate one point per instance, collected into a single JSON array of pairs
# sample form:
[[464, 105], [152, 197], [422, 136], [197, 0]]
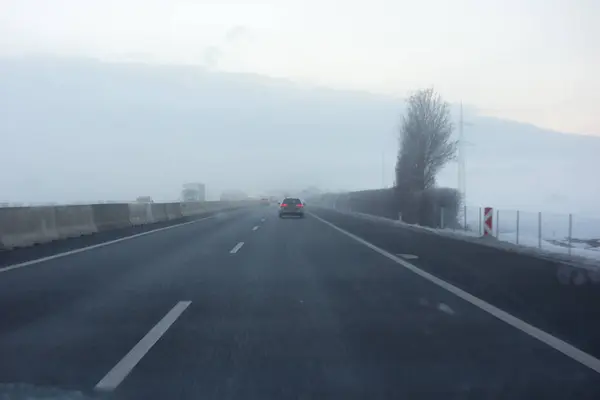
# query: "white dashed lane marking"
[[120, 371], [237, 248]]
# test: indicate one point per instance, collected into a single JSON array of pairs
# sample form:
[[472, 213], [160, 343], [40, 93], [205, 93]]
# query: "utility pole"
[[462, 155], [462, 181], [382, 169]]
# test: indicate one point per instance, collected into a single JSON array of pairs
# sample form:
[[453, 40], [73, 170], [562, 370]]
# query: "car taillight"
[[283, 205], [299, 205]]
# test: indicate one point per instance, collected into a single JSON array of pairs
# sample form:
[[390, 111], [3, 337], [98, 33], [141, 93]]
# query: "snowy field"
[[545, 231]]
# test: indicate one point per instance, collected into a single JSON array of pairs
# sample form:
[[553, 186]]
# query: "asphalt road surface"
[[245, 305]]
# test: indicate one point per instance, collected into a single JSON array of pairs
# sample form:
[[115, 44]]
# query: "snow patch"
[[445, 309]]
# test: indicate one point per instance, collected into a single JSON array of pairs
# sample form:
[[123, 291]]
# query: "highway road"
[[244, 305]]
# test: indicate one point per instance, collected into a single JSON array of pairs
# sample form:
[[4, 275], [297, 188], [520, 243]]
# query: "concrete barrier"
[[73, 221], [26, 226], [140, 213], [215, 205], [111, 216], [173, 211], [220, 205], [159, 212], [192, 208]]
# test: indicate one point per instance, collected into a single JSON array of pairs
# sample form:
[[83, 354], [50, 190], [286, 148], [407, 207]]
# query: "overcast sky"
[[529, 60]]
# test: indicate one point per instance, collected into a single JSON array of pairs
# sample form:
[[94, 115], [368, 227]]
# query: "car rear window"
[[292, 201]]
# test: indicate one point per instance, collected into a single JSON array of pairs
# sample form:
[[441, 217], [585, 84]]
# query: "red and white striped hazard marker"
[[487, 221]]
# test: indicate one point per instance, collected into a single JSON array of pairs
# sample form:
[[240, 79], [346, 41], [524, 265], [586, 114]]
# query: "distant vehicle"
[[144, 199], [265, 201], [291, 206], [193, 192]]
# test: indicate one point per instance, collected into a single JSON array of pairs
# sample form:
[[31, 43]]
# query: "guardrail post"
[[570, 231], [498, 224], [540, 229], [465, 216], [442, 217], [517, 226]]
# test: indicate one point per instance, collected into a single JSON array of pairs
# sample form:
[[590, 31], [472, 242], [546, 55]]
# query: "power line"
[[462, 170], [383, 169]]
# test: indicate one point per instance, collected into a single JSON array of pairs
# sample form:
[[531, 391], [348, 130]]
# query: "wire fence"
[[565, 233]]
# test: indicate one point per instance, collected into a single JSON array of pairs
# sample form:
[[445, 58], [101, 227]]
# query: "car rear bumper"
[[291, 212]]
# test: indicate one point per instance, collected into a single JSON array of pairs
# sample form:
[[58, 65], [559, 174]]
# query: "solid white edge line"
[[95, 246], [255, 228], [236, 248], [544, 337], [120, 371]]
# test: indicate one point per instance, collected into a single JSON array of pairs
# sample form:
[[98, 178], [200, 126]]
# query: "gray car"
[[291, 206]]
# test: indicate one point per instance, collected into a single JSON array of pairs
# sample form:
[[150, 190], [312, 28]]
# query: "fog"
[[76, 129], [90, 130], [111, 100], [528, 60]]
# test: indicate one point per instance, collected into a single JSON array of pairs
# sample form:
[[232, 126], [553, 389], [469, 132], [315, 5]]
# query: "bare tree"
[[425, 141], [425, 147]]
